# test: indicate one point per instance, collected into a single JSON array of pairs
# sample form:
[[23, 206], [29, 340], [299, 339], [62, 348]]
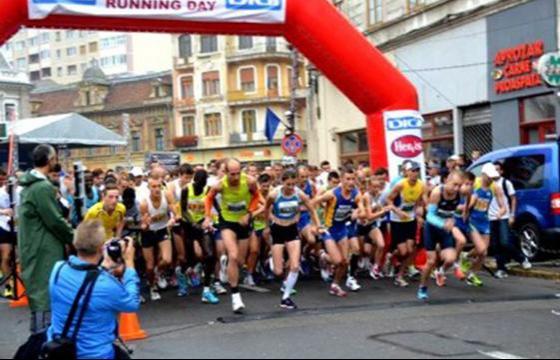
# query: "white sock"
[[206, 289], [290, 283]]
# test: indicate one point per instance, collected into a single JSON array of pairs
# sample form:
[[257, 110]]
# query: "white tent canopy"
[[72, 130]]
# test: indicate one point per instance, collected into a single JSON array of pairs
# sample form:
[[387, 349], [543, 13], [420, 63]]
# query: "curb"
[[536, 274]]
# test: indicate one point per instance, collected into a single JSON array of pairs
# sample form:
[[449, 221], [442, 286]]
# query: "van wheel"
[[530, 240]]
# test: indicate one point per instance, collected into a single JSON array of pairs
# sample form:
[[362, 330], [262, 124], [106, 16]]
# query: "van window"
[[526, 172]]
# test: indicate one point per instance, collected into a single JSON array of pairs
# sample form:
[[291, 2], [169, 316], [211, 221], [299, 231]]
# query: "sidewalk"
[[549, 270]]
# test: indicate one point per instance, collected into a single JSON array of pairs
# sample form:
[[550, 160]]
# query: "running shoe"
[[352, 284], [501, 274], [526, 265], [422, 293], [325, 273], [223, 269], [459, 274], [337, 291], [194, 278], [473, 280], [375, 273], [401, 282], [154, 294], [208, 297], [249, 281], [162, 282], [219, 288], [8, 293], [182, 283], [466, 264], [237, 304], [305, 267], [288, 304], [440, 278], [413, 272]]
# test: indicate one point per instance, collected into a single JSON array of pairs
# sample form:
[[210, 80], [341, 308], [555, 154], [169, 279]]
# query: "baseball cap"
[[412, 166], [490, 171], [136, 172], [454, 158]]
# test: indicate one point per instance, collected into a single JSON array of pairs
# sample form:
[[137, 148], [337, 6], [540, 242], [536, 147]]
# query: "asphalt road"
[[505, 319]]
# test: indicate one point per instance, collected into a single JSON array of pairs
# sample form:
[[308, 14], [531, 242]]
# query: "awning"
[[71, 130]]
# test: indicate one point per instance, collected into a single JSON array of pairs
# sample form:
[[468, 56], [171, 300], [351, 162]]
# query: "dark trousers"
[[503, 246]]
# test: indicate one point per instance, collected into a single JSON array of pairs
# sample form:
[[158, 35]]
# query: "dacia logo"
[[404, 123], [254, 4], [71, 2]]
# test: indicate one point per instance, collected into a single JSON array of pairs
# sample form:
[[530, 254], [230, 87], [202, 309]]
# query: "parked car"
[[534, 170]]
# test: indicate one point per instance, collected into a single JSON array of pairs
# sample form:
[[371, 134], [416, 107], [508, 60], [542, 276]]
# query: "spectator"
[[110, 296], [323, 179], [434, 177], [476, 155], [43, 233], [501, 237]]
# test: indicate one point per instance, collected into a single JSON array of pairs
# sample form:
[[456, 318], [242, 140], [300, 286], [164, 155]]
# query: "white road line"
[[500, 355]]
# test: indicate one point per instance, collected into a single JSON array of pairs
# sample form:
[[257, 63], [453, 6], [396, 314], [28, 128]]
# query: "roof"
[[9, 75], [123, 93], [72, 130]]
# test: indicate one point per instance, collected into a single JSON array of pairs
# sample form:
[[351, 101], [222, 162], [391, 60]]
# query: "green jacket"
[[42, 234]]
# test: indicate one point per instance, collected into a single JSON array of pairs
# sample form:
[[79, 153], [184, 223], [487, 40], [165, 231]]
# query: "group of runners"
[[233, 225]]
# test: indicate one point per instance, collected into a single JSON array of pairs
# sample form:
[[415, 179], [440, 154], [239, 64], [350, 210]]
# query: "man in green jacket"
[[42, 235]]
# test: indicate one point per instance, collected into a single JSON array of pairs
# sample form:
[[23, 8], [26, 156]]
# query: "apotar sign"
[[515, 70]]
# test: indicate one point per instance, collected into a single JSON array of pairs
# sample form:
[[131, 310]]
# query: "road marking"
[[556, 312], [500, 355], [256, 289]]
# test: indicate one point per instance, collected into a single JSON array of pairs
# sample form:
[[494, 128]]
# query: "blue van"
[[534, 170]]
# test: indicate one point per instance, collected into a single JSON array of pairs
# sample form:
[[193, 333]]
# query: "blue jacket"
[[110, 297]]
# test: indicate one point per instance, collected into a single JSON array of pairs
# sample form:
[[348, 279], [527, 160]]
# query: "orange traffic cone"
[[129, 328], [23, 301]]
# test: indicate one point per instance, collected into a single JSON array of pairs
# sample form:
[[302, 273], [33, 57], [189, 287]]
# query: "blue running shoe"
[[423, 293], [182, 283], [208, 297]]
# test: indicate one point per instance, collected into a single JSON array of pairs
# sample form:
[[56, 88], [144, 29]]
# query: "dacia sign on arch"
[[249, 11], [403, 138]]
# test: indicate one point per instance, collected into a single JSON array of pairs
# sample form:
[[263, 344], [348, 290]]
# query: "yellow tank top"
[[407, 200], [196, 204], [235, 201]]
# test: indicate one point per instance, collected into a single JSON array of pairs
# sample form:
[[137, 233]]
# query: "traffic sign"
[[292, 145]]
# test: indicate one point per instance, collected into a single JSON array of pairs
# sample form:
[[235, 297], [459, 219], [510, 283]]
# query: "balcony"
[[260, 51], [180, 63], [186, 142], [258, 138], [263, 97]]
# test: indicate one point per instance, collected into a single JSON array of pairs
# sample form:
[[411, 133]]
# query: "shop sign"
[[403, 136], [549, 69], [514, 68]]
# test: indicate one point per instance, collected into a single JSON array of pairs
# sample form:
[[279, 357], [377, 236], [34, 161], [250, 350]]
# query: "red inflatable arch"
[[315, 27]]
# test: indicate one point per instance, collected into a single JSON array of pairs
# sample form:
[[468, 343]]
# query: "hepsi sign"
[[248, 11], [403, 131]]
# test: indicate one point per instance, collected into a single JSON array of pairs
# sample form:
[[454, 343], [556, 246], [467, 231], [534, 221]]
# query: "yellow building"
[[223, 87]]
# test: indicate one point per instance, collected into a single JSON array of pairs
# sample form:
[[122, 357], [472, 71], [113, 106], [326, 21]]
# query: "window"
[[375, 8], [45, 38], [272, 80], [72, 70], [185, 46], [58, 36], [527, 172], [46, 72], [249, 122], [538, 118], [70, 34], [34, 41], [354, 146], [189, 126], [160, 140], [10, 112], [45, 54], [71, 51], [247, 79], [34, 58], [245, 42], [211, 83], [35, 75], [93, 47], [113, 42], [271, 44], [21, 63], [187, 87], [83, 50], [208, 44], [58, 54], [437, 134], [414, 5], [20, 45], [213, 124], [136, 141], [115, 60]]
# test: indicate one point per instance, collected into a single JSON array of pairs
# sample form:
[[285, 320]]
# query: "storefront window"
[[354, 147], [437, 134], [538, 118]]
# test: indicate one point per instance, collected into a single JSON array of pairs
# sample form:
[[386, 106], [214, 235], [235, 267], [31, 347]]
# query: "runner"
[[342, 201], [174, 191], [283, 207], [406, 200], [110, 212], [463, 224], [200, 242], [369, 227], [304, 224], [7, 237], [239, 197], [158, 217], [480, 221], [440, 232]]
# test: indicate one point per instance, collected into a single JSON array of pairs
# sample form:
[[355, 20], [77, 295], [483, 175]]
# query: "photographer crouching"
[[105, 290]]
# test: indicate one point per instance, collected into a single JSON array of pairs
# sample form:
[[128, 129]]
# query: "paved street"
[[503, 319]]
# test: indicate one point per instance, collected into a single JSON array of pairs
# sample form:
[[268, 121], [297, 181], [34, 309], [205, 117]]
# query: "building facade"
[[476, 91], [223, 88], [148, 99], [63, 56]]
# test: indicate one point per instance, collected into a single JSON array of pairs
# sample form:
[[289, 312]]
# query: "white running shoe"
[[154, 294], [223, 269], [375, 273], [249, 281], [352, 284], [219, 288], [527, 264], [237, 304], [500, 274], [162, 282]]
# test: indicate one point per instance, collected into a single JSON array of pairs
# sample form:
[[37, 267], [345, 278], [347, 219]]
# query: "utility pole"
[[294, 88]]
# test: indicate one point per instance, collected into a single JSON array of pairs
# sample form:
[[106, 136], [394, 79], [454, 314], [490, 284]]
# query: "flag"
[[272, 123]]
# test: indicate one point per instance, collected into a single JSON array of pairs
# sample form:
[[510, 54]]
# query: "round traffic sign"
[[292, 145]]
